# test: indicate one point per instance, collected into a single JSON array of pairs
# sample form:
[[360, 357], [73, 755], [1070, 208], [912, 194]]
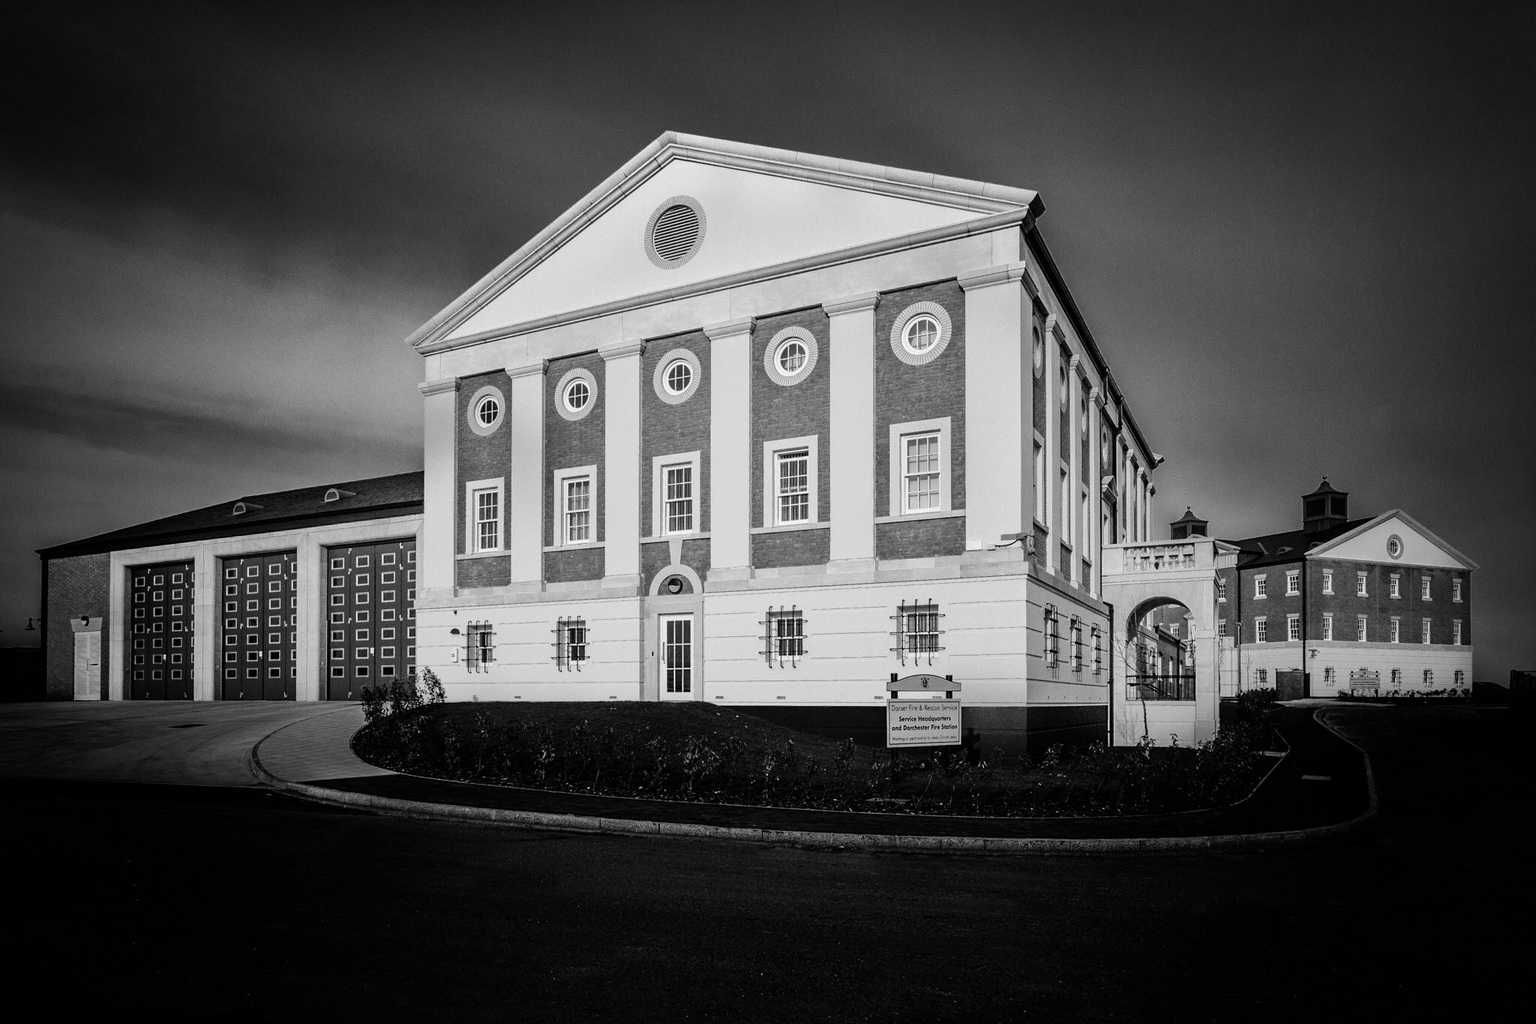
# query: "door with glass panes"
[[370, 616], [160, 631], [674, 653], [260, 600]]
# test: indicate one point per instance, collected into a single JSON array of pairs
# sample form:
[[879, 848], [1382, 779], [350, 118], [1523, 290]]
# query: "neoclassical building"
[[766, 429]]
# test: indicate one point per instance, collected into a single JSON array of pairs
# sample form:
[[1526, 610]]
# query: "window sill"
[[696, 535], [790, 528], [583, 546], [482, 554], [915, 517]]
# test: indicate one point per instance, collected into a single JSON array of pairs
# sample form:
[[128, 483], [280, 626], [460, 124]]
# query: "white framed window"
[[1260, 630], [487, 408], [1221, 627], [1293, 627], [675, 487], [1360, 628], [1456, 632], [1396, 630], [1424, 631], [1040, 512], [1050, 636], [791, 482], [1397, 678], [790, 356], [479, 646], [1261, 676], [1064, 488], [1456, 590], [575, 394], [783, 636], [1327, 581], [1429, 677], [1077, 645], [917, 629], [1395, 585], [921, 333], [919, 467], [1260, 586], [483, 503], [1098, 649], [1461, 679], [1360, 590], [570, 643], [575, 493], [1425, 592], [677, 376], [1328, 677], [1292, 582], [1327, 625]]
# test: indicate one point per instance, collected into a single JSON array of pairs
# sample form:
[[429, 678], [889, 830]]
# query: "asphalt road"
[[210, 903]]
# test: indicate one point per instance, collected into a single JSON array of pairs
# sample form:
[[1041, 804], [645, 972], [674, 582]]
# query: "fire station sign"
[[923, 721]]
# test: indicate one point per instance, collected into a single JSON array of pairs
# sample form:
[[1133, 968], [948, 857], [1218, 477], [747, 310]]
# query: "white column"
[[309, 573], [621, 463], [439, 519], [525, 483], [1141, 504], [1147, 525], [998, 426], [851, 446], [1075, 465], [206, 621], [730, 449], [1052, 444], [1095, 490]]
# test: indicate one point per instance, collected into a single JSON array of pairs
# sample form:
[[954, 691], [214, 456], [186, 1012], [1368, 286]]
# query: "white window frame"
[[1292, 627], [897, 497], [1260, 587], [1260, 629], [1456, 632], [561, 480], [1327, 581], [1040, 507], [1362, 627], [1221, 589], [1395, 585], [772, 451], [659, 465], [1425, 631], [1456, 590], [1327, 625], [1292, 582], [472, 489], [1361, 587], [1426, 588], [1396, 634]]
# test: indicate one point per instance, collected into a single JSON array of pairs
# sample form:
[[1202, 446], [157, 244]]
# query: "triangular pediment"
[[757, 208], [1374, 542]]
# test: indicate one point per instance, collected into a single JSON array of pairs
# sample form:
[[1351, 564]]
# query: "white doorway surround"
[[87, 631]]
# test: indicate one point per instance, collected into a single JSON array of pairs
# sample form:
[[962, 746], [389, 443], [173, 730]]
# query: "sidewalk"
[[1322, 785]]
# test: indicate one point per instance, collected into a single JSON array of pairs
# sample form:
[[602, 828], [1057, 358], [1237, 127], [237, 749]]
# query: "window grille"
[[917, 630], [783, 636], [1077, 644], [1098, 651], [1051, 637], [570, 643], [479, 646]]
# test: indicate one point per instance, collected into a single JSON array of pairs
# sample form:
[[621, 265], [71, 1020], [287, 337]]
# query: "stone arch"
[[692, 578]]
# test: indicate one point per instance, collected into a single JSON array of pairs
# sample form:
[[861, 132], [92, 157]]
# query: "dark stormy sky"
[[1301, 237]]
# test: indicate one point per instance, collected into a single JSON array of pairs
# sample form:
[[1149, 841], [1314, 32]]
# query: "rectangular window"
[[1261, 676], [1050, 636], [1456, 590], [1293, 627], [918, 628], [484, 499], [1327, 581], [1360, 628], [792, 486], [920, 473], [577, 515], [1424, 588], [1039, 481], [1424, 634], [1395, 585], [1260, 630], [783, 636], [1456, 632], [1397, 678], [1396, 627], [570, 643], [1328, 676], [479, 646], [1098, 649], [1292, 582], [1461, 679], [1221, 627], [677, 498], [1429, 677], [1260, 586], [1327, 625], [1077, 645], [1065, 522], [1221, 589], [1360, 585]]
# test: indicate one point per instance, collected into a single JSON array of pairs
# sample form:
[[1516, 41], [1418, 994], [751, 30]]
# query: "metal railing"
[[1173, 686]]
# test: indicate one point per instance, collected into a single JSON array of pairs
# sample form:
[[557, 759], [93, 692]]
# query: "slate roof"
[[1288, 546], [373, 498]]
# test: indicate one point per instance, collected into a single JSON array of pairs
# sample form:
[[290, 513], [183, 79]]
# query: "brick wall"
[[904, 393], [480, 458], [80, 585], [799, 410], [569, 443], [921, 538], [797, 547], [486, 571], [656, 556], [576, 564], [668, 429]]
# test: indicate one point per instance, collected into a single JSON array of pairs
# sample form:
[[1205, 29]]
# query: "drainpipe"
[[1109, 653], [1306, 683]]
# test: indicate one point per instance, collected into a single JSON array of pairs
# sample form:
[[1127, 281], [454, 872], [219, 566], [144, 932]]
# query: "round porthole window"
[[674, 232], [921, 333], [677, 376], [1395, 546], [1039, 355], [576, 393], [487, 408], [790, 356], [674, 584]]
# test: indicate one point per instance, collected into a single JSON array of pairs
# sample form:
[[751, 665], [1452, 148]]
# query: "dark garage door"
[[370, 616], [260, 601], [160, 631]]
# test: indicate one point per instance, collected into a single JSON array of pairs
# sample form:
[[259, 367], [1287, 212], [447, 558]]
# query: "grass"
[[703, 752]]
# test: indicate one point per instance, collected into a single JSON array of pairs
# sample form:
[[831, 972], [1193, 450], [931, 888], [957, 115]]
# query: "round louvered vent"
[[675, 231]]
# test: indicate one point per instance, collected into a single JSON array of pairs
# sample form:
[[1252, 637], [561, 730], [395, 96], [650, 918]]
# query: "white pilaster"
[[730, 448], [439, 529], [851, 446], [1075, 465], [1053, 444], [998, 425], [525, 484], [621, 462], [205, 623], [309, 571], [1095, 514]]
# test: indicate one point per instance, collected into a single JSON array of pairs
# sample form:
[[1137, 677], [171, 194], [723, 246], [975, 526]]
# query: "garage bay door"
[[260, 601], [160, 631], [370, 616]]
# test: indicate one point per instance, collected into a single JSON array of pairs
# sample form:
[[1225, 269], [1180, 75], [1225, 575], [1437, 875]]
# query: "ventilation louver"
[[675, 234]]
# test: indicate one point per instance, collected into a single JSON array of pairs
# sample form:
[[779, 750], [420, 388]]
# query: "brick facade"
[[569, 443], [799, 410], [667, 429], [795, 547], [480, 458], [76, 586]]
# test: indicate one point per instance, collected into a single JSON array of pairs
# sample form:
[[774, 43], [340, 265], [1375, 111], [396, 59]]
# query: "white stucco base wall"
[[1346, 657]]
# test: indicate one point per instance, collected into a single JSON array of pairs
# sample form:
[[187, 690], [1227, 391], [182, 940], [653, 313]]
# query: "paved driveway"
[[180, 743]]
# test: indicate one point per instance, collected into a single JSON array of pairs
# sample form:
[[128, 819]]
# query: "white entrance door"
[[88, 665], [675, 654]]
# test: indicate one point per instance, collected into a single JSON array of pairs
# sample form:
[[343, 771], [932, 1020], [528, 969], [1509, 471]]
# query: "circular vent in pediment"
[[674, 232]]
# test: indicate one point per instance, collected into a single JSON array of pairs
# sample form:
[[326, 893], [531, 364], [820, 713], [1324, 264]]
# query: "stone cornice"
[[852, 304], [1053, 326], [988, 277], [622, 349], [730, 328], [437, 387], [526, 371], [1074, 362]]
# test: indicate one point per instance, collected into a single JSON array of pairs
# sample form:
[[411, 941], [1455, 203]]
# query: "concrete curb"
[[810, 838]]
